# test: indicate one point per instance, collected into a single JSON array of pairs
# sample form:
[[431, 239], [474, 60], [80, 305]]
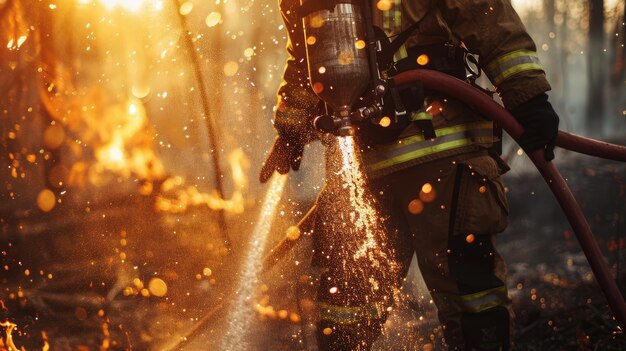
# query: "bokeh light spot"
[[140, 91], [231, 68], [46, 200], [416, 206], [428, 193], [54, 136], [384, 5], [213, 19], [427, 188], [293, 233], [157, 287], [318, 87], [385, 122], [186, 8], [423, 60], [316, 21], [470, 238]]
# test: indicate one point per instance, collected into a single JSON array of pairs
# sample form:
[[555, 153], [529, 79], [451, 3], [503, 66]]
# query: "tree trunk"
[[618, 66], [596, 68]]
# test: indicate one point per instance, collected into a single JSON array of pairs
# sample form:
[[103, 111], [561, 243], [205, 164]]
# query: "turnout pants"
[[447, 212]]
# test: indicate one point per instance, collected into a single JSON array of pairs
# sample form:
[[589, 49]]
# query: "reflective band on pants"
[[473, 303], [484, 300], [348, 314]]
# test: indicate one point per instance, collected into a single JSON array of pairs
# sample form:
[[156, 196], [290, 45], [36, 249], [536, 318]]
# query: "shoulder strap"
[[388, 51]]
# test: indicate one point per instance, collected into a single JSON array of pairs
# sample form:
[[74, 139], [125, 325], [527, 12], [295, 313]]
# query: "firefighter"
[[442, 199]]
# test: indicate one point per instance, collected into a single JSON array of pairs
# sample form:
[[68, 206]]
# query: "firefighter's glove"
[[284, 155], [541, 125]]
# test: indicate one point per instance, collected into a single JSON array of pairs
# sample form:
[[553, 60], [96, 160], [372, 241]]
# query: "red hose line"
[[454, 87], [442, 82], [591, 147]]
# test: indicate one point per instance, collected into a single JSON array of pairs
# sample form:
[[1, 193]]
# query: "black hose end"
[[324, 123]]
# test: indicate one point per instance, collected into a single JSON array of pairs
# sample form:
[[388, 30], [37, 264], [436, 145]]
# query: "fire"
[[176, 198], [124, 148], [16, 43], [7, 343], [129, 5], [123, 144]]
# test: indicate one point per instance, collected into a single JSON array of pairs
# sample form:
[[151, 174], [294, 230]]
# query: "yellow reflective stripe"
[[465, 138], [515, 70], [447, 131], [347, 314], [416, 116], [401, 54], [480, 294], [508, 57], [339, 320], [419, 153], [512, 63], [337, 308], [484, 300]]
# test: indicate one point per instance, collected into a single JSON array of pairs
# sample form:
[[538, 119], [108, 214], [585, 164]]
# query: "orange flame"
[[16, 43], [185, 197], [129, 5], [124, 150], [7, 343]]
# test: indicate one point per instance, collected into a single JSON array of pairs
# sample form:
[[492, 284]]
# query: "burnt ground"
[[78, 278]]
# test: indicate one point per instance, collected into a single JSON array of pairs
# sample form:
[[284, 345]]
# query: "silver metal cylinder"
[[337, 55]]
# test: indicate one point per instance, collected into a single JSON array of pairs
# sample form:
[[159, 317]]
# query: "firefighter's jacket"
[[491, 29]]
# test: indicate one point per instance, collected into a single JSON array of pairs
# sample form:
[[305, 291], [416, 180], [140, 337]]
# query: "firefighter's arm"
[[296, 105], [493, 30]]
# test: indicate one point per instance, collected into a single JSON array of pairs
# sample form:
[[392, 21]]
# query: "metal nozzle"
[[345, 122], [324, 123], [340, 123]]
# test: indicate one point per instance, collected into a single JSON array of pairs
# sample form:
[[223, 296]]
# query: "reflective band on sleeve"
[[400, 54], [417, 116], [484, 300], [348, 314], [416, 146], [512, 63]]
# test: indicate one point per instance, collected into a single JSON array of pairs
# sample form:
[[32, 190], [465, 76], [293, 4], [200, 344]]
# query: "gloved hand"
[[541, 125], [283, 156]]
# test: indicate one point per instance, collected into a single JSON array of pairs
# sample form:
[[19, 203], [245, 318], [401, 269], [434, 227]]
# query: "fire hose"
[[474, 97], [487, 106]]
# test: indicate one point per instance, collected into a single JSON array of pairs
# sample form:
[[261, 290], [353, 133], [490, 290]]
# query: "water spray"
[[341, 55], [241, 309]]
